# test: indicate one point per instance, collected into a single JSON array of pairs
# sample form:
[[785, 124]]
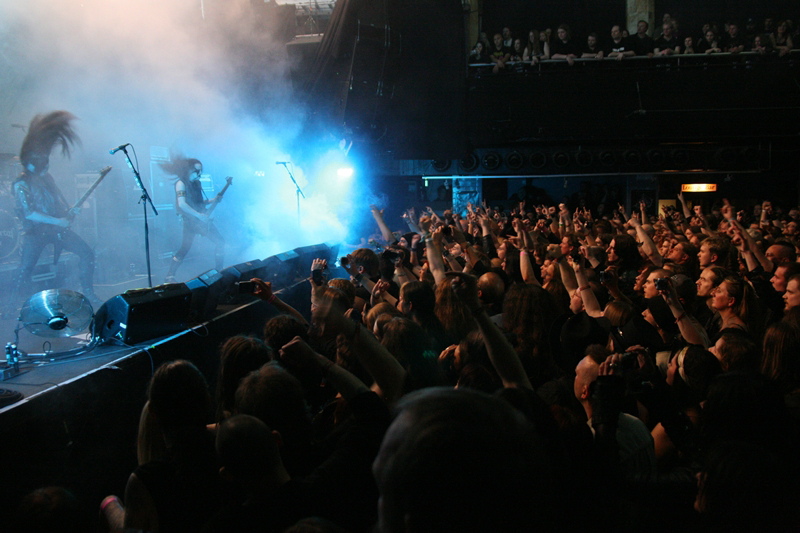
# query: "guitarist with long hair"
[[40, 205], [194, 210]]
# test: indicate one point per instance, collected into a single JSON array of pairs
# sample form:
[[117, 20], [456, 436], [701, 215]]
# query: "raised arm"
[[434, 250], [377, 214], [264, 292], [691, 330], [588, 297], [647, 243], [501, 353], [297, 354], [388, 373]]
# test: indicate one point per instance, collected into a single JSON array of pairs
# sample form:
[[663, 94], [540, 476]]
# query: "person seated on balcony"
[[782, 38], [592, 49], [508, 38], [544, 43], [479, 54], [533, 49], [762, 44], [733, 41], [564, 47], [750, 31], [666, 18], [619, 47], [517, 51], [499, 54], [688, 45], [668, 43], [641, 42], [709, 44]]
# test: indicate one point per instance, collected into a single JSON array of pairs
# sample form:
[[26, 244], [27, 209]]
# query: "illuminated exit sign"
[[699, 187]]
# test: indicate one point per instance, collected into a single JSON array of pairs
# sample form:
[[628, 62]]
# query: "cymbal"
[[56, 313]]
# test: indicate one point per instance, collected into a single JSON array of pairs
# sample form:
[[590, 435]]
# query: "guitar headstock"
[[229, 180], [105, 171]]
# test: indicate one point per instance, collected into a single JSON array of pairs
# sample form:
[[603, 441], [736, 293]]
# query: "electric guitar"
[[90, 190], [205, 226], [71, 215], [218, 197]]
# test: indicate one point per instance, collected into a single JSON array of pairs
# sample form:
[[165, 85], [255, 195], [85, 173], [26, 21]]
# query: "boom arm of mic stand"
[[299, 190]]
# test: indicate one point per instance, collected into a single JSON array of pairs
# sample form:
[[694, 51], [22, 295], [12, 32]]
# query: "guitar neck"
[[217, 198], [91, 189]]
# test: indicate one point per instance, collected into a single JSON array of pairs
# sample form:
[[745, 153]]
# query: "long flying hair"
[[47, 131], [179, 166]]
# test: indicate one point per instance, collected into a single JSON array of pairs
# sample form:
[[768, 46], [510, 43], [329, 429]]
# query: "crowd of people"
[[505, 50], [534, 368]]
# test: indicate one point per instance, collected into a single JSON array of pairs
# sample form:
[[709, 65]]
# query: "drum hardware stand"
[[11, 367], [51, 313]]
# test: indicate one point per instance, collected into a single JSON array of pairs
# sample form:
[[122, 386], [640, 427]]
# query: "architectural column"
[[640, 10]]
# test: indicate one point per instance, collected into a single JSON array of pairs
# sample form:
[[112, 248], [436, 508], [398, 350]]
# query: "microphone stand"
[[145, 198], [298, 192]]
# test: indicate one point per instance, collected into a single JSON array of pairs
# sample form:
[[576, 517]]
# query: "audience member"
[[668, 43], [499, 54], [643, 44], [592, 49], [782, 38], [733, 42], [619, 47], [709, 44], [564, 47]]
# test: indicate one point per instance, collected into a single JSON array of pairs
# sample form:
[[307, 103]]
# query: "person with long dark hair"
[[193, 208], [41, 206]]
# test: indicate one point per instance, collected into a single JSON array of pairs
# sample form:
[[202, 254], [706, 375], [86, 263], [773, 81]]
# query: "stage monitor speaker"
[[207, 288], [142, 314], [245, 271], [282, 269], [307, 254], [241, 272]]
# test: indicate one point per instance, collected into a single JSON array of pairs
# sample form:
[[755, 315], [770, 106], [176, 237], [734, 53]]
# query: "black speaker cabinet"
[[206, 289], [142, 314]]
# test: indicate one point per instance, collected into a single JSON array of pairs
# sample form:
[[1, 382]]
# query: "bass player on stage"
[[45, 213], [194, 210]]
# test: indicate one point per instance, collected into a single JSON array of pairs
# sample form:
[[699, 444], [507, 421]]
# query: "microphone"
[[118, 148], [281, 162]]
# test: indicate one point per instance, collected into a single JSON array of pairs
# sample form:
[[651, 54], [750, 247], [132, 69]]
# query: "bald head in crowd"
[[461, 460], [491, 289]]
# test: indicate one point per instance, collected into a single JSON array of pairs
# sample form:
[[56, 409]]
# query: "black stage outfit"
[[193, 227], [39, 193]]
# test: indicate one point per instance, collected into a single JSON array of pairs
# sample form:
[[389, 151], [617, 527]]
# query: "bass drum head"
[[9, 234]]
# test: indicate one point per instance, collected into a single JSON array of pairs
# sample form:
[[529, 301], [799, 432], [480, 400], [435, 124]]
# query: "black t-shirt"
[[642, 45], [729, 42], [704, 45], [587, 50], [565, 48], [500, 54], [622, 46], [663, 43]]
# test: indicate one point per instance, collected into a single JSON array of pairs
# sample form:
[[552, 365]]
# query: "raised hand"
[[726, 209], [319, 264], [298, 355], [263, 289]]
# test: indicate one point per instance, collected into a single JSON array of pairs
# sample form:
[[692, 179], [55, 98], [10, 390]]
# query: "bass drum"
[[9, 234]]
